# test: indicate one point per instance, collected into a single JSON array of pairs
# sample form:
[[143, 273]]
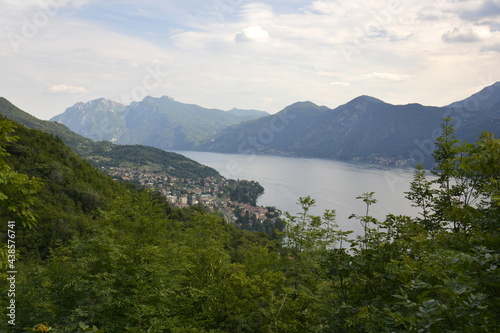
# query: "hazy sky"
[[247, 54]]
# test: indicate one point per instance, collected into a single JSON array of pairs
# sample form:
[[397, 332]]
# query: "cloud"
[[252, 34], [257, 13], [19, 4], [339, 83], [490, 8], [494, 26], [70, 3], [63, 89], [387, 76], [30, 4], [467, 36], [326, 8], [429, 17], [493, 48], [287, 50]]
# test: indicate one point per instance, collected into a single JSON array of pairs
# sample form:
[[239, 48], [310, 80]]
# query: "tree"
[[422, 195], [17, 191], [463, 173], [365, 220], [307, 241]]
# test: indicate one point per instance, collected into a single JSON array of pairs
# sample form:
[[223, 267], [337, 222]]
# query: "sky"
[[261, 55]]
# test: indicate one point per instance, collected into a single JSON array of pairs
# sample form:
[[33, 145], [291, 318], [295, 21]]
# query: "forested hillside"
[[102, 153], [96, 255], [78, 143]]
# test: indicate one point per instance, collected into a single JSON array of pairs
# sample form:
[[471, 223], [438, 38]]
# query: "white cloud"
[[16, 3], [63, 89], [492, 47], [70, 3], [326, 7], [411, 51], [489, 8], [257, 13], [339, 83], [387, 76], [469, 35], [30, 4], [252, 34]]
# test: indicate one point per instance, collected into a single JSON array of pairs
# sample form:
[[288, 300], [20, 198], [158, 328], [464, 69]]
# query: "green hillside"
[[143, 157], [72, 190], [83, 253], [78, 143], [106, 154]]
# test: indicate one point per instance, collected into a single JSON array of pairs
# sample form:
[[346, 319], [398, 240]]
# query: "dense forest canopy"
[[93, 254]]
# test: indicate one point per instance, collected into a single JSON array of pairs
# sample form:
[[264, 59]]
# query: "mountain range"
[[105, 153], [158, 122], [366, 129]]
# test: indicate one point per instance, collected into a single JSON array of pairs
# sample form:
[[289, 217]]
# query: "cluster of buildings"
[[180, 192], [242, 209], [210, 192], [384, 161]]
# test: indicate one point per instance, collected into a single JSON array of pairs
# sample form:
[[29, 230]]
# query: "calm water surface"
[[333, 184]]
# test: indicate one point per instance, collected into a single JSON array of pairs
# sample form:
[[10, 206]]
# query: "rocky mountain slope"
[[157, 122], [365, 129], [109, 154]]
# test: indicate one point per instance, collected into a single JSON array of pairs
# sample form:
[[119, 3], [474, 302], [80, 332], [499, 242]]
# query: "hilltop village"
[[235, 199]]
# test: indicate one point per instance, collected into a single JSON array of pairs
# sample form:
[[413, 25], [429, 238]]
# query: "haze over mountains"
[[365, 129], [107, 154], [159, 122]]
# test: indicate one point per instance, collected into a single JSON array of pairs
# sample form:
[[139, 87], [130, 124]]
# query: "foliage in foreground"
[[127, 262]]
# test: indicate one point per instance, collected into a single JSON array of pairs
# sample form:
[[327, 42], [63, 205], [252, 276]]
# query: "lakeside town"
[[235, 199]]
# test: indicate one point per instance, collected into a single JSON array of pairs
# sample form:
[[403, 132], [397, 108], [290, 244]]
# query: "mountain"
[[99, 255], [100, 119], [486, 99], [108, 154], [365, 129], [248, 114], [78, 143], [71, 189], [158, 122]]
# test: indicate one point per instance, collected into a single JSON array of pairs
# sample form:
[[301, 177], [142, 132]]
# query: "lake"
[[333, 184]]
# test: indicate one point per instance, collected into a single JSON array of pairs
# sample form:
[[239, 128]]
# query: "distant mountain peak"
[[95, 103], [304, 107], [160, 122], [162, 98], [303, 103], [99, 119], [361, 103], [487, 98], [364, 129], [250, 113], [366, 99]]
